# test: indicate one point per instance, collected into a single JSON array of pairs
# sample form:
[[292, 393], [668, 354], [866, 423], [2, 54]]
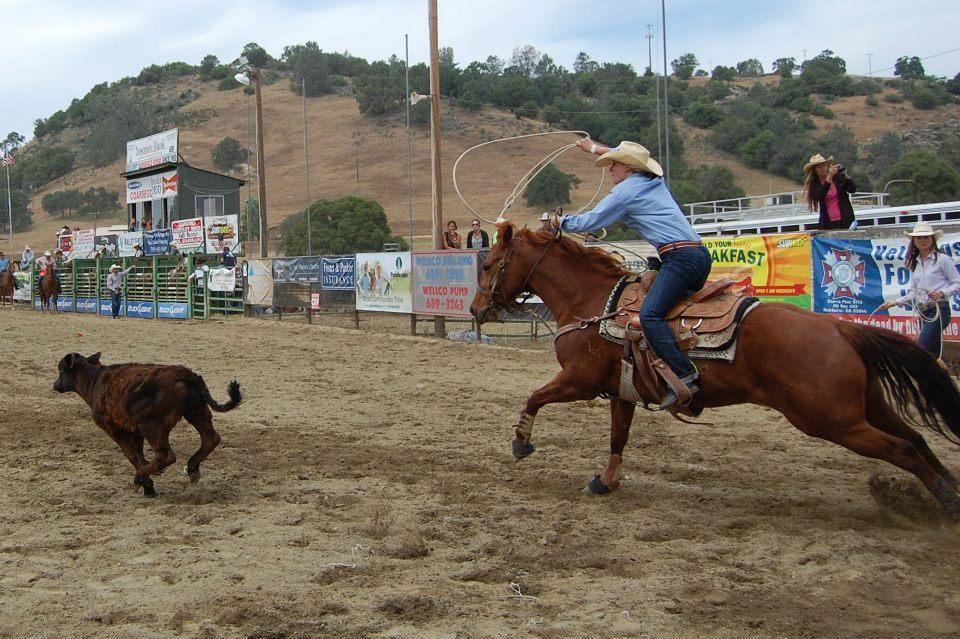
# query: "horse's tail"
[[909, 375]]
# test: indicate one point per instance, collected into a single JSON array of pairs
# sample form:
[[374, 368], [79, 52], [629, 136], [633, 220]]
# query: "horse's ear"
[[95, 358], [506, 234]]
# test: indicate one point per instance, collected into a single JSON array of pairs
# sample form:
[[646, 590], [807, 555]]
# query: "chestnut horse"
[[7, 285], [831, 379], [49, 289]]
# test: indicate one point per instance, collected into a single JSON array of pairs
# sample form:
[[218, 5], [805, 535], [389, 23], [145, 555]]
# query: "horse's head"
[[74, 367], [506, 271]]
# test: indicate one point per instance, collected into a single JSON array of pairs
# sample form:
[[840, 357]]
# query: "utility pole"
[[261, 177], [650, 48], [406, 68], [306, 167], [440, 329], [870, 63], [657, 85], [666, 101], [9, 203]]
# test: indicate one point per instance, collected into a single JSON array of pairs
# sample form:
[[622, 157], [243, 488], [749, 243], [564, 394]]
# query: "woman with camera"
[[933, 281], [828, 187]]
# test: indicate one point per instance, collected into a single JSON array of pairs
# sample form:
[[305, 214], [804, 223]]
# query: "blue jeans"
[[932, 332], [115, 298], [684, 271]]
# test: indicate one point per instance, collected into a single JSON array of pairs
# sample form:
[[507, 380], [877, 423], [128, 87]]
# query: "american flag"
[[7, 160]]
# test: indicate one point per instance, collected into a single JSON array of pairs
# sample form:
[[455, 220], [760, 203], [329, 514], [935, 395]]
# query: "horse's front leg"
[[565, 387], [621, 416]]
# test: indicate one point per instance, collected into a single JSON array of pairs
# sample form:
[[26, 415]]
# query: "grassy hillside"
[[487, 176]]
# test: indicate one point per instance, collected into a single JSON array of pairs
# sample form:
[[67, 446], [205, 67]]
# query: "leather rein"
[[492, 292]]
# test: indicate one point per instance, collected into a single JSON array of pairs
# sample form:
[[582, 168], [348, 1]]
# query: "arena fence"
[[156, 287]]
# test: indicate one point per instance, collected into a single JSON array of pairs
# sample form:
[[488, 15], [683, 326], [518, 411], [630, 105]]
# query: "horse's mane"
[[599, 259]]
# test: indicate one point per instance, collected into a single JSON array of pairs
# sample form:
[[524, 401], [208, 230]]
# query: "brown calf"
[[133, 402]]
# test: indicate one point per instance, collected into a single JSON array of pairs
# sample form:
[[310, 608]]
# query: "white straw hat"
[[814, 161], [631, 154], [113, 266], [924, 229]]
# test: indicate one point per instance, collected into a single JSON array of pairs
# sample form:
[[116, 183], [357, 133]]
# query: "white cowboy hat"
[[545, 216], [500, 220], [113, 266], [815, 160], [631, 154], [47, 253], [923, 229]]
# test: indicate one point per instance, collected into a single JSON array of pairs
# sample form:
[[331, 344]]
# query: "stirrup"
[[670, 401]]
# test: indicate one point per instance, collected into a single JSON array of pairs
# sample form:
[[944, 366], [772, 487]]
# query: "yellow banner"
[[775, 268]]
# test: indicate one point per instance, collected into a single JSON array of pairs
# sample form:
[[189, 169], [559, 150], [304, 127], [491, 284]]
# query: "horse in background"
[[49, 289], [858, 386], [7, 284]]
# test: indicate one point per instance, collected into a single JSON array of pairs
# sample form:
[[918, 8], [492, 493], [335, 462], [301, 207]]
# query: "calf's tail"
[[233, 389]]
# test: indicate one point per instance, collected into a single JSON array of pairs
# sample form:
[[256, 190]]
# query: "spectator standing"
[[227, 258], [26, 258], [451, 238], [133, 224], [138, 251], [477, 238], [200, 273], [115, 286], [827, 187], [4, 262]]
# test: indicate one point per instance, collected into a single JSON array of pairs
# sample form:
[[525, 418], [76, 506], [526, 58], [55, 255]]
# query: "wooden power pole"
[[437, 190]]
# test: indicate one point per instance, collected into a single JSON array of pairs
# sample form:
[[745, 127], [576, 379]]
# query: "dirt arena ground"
[[366, 489]]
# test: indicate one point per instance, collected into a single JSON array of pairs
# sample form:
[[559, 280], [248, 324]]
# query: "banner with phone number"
[[444, 282], [775, 268], [852, 277]]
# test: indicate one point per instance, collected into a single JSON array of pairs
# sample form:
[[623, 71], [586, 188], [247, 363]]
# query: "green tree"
[[882, 154], [228, 154], [785, 67], [308, 65], [909, 68], [22, 215], [949, 150], [702, 114], [714, 182], [257, 55], [207, 65], [723, 73], [684, 65], [100, 201], [380, 89], [346, 225], [42, 167], [118, 117], [525, 59], [60, 202], [935, 179], [839, 142], [584, 64], [750, 68], [550, 188]]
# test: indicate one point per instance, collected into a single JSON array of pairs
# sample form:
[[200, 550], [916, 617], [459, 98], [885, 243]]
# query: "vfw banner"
[[127, 241], [775, 268], [188, 235], [444, 282], [852, 277], [383, 282]]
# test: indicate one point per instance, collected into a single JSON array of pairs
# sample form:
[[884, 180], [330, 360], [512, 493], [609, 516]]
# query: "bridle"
[[502, 265]]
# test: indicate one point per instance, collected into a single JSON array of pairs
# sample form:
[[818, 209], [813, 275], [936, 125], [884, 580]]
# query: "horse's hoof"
[[149, 491], [194, 475], [521, 450], [596, 486]]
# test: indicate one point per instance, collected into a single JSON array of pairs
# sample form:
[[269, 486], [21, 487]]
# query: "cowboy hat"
[[113, 266], [47, 253], [545, 216], [500, 220], [631, 154], [923, 229], [815, 160]]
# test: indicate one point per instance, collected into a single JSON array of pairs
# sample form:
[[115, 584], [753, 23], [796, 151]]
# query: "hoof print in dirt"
[[521, 450], [905, 498]]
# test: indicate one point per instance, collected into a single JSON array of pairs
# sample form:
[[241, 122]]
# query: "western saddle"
[[645, 378]]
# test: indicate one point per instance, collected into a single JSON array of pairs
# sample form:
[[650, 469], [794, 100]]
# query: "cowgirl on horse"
[[641, 200]]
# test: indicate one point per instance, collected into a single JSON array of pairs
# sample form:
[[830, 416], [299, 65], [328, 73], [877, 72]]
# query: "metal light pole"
[[306, 167], [440, 329], [406, 67], [666, 101]]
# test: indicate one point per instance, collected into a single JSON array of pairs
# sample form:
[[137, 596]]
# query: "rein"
[[501, 269]]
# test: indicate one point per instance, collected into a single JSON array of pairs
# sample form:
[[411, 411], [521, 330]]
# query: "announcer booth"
[[162, 188]]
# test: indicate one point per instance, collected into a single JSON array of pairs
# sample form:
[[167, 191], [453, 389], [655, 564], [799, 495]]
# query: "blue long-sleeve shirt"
[[645, 205]]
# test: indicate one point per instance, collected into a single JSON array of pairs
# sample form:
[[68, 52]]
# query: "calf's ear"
[[68, 361], [95, 358]]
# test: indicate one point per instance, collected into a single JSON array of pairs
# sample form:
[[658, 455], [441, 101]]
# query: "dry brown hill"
[[486, 177]]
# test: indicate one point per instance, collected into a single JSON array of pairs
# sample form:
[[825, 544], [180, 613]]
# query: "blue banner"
[[86, 305], [157, 242], [65, 304], [139, 308], [106, 307], [339, 273], [173, 310], [296, 270]]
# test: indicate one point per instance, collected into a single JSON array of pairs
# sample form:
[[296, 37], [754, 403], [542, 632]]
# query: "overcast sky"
[[56, 50]]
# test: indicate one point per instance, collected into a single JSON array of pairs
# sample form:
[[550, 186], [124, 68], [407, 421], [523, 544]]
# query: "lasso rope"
[[918, 312]]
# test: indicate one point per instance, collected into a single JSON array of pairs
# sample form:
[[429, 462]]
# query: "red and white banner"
[[188, 235]]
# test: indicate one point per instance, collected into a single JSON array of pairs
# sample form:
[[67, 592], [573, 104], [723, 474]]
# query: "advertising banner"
[[152, 187], [775, 268], [23, 293], [222, 279], [297, 270], [106, 307], [138, 308], [65, 243], [86, 305], [126, 242], [852, 277], [220, 231], [188, 235], [173, 310], [259, 282], [152, 150], [157, 242], [444, 282], [83, 243], [109, 242], [383, 282], [339, 273]]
